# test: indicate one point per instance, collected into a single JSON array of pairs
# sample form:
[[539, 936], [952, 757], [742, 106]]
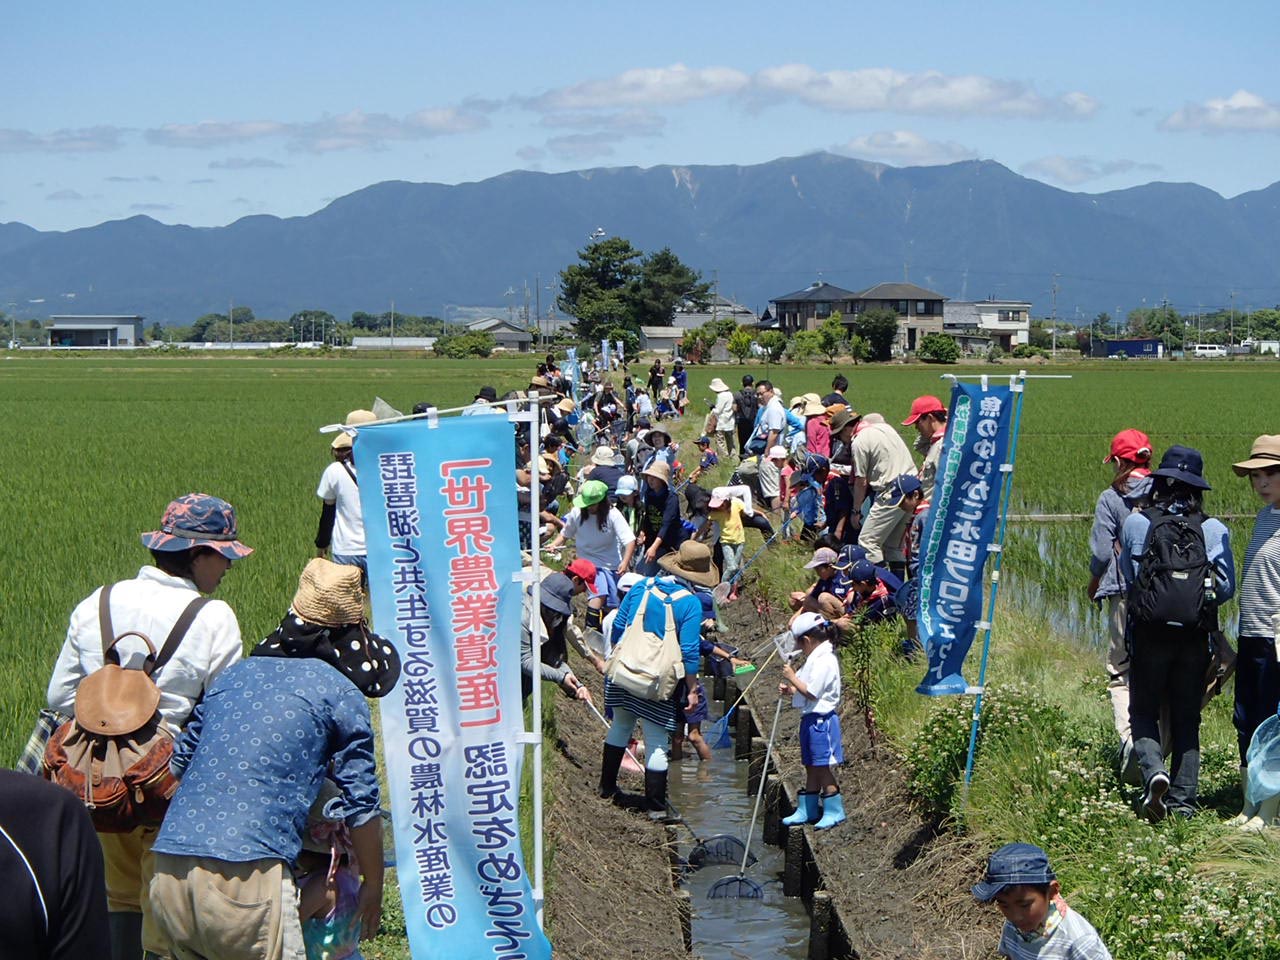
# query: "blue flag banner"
[[604, 352], [439, 507], [961, 525], [573, 372]]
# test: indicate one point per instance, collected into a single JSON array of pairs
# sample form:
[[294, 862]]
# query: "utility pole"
[[537, 293], [1231, 342], [1053, 321], [393, 324], [231, 326], [715, 303]]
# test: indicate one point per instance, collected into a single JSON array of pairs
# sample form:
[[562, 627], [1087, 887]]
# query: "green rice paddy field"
[[96, 446]]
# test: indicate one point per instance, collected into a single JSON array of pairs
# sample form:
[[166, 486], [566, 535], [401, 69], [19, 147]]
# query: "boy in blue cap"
[[1038, 922]]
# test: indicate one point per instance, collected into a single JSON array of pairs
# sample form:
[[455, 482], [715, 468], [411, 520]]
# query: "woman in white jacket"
[[725, 426]]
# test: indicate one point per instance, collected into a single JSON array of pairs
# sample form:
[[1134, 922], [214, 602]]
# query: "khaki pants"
[[1118, 665], [210, 909], [881, 534], [128, 865]]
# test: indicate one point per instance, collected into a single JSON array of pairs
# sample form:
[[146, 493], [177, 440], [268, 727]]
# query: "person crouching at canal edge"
[[1130, 489], [1179, 566], [815, 691], [672, 591]]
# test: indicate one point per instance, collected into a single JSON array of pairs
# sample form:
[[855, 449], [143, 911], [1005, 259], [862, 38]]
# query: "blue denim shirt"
[[254, 755], [1217, 548]]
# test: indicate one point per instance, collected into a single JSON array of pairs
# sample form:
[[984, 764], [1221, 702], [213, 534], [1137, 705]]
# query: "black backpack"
[[1175, 581]]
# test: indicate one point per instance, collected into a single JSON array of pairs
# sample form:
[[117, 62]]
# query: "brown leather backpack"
[[114, 753]]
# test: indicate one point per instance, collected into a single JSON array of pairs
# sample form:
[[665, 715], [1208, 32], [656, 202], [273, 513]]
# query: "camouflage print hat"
[[198, 520]]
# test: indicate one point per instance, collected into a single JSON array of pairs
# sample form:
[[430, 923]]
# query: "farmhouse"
[[95, 330], [919, 311], [805, 309], [720, 308], [507, 335], [663, 339], [1004, 323]]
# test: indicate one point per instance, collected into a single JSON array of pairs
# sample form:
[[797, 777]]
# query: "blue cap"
[[900, 487], [1013, 865], [864, 571]]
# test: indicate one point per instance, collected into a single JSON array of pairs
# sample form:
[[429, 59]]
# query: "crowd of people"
[[271, 843]]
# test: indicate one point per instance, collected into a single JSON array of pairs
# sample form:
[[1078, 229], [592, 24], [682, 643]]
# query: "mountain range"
[[968, 230]]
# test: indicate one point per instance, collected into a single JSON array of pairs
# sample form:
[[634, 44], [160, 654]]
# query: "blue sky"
[[204, 115]]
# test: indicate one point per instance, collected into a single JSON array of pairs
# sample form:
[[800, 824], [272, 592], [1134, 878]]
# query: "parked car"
[[1209, 350]]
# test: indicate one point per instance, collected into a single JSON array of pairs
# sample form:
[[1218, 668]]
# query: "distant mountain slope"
[[968, 230]]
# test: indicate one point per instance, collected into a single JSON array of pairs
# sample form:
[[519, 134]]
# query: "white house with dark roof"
[[805, 309], [1005, 323]]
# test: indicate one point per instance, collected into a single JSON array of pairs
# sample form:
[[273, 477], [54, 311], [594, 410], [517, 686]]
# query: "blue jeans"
[[353, 560], [656, 740]]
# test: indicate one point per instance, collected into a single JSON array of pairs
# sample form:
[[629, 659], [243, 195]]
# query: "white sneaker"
[[1153, 800]]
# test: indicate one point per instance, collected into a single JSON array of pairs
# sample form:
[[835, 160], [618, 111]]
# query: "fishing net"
[[720, 849], [736, 887]]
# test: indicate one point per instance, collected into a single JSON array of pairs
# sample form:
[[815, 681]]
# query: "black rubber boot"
[[595, 618], [655, 796], [609, 766], [125, 932]]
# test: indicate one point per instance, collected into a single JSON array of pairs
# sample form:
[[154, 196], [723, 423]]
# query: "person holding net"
[[815, 691]]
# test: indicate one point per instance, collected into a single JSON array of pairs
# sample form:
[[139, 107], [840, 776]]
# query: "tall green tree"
[[832, 336], [663, 284], [805, 345], [597, 290], [740, 343], [879, 327], [773, 343]]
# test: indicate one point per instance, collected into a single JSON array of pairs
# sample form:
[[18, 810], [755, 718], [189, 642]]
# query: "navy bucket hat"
[[1013, 865], [1184, 464]]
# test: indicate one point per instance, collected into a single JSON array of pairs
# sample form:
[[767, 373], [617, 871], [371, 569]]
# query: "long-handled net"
[[720, 849], [718, 733], [742, 887]]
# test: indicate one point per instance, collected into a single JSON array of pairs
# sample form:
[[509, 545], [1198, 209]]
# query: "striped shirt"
[[1260, 584], [1072, 938]]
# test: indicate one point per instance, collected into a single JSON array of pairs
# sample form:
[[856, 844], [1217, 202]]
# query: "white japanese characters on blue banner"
[[440, 522], [961, 525]]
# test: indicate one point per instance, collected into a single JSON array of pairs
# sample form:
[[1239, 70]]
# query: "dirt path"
[[900, 885], [609, 889]]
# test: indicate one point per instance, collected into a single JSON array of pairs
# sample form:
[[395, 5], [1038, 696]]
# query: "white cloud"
[[1242, 112], [65, 195], [245, 163], [151, 207], [881, 89], [1073, 171], [85, 140], [371, 131], [644, 86], [630, 123], [150, 178], [582, 146], [905, 148], [214, 133], [531, 154]]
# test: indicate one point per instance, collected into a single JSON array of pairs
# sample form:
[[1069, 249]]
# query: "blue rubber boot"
[[832, 812], [807, 810]]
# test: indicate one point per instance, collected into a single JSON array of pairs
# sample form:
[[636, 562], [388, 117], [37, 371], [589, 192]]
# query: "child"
[[727, 512], [708, 458], [1038, 922], [328, 881], [815, 690]]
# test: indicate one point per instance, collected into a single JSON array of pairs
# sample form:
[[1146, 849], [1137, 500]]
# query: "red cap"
[[1130, 445], [585, 570], [922, 405]]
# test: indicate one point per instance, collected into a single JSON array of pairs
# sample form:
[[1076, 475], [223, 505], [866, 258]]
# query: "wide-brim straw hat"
[[692, 562], [660, 469], [604, 457], [329, 594], [566, 406], [718, 385], [1264, 453], [354, 419], [813, 405]]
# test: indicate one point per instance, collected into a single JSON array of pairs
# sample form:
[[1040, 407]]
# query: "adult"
[[1169, 660], [681, 377], [252, 762], [55, 903], [929, 417], [722, 412], [1257, 668], [608, 407], [601, 535], [190, 553], [839, 503], [341, 531], [555, 599], [744, 412], [770, 427], [682, 572], [794, 440], [661, 529], [1130, 488], [481, 403], [604, 467], [657, 378], [839, 384], [880, 455]]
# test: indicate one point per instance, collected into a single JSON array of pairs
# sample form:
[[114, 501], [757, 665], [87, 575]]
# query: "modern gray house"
[[95, 330]]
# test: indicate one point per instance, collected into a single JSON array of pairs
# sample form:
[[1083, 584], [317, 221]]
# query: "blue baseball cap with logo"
[[899, 487]]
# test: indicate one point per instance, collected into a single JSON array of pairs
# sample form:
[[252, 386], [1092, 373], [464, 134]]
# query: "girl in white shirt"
[[601, 534], [815, 690]]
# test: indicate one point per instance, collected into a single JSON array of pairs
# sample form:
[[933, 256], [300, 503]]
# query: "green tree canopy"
[[773, 343], [879, 327], [832, 336], [938, 348], [740, 343], [596, 289], [805, 345], [460, 345], [665, 283]]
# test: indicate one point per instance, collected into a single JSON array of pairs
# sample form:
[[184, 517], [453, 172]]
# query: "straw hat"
[[1264, 453], [354, 419], [539, 382], [660, 469], [717, 385], [566, 406], [813, 405], [329, 594], [692, 562], [604, 457]]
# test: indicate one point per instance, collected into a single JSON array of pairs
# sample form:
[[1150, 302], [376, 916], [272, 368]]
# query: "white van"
[[1209, 350]]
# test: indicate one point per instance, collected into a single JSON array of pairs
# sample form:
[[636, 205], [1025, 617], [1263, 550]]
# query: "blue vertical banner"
[[961, 527], [573, 371], [604, 353], [440, 522]]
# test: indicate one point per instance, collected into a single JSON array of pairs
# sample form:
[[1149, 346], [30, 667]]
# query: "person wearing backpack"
[[744, 412], [191, 552], [1130, 489], [1179, 567], [653, 665]]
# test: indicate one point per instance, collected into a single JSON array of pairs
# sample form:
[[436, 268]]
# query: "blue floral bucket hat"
[[198, 520]]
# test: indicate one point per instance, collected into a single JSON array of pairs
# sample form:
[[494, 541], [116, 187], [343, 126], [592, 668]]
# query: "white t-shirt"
[[821, 675], [772, 419], [337, 487], [602, 547]]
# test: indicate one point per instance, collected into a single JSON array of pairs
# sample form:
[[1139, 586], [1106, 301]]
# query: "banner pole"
[[534, 417], [1017, 384]]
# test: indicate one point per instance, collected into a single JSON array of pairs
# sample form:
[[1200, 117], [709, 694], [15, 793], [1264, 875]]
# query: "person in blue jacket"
[[683, 571], [1169, 661]]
